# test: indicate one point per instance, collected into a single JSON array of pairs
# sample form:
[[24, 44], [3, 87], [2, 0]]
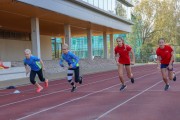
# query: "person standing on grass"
[[72, 61], [36, 65], [122, 59], [165, 59]]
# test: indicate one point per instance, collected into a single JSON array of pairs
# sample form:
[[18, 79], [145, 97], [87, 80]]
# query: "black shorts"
[[126, 64]]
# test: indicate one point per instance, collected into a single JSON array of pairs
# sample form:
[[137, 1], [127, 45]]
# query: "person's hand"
[[70, 66], [44, 69], [132, 63], [27, 72], [170, 66], [158, 67], [117, 63]]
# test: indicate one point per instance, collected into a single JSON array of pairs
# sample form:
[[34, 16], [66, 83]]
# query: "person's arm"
[[117, 59], [116, 56], [61, 62], [76, 60], [158, 62], [172, 59], [42, 64], [26, 68], [133, 57]]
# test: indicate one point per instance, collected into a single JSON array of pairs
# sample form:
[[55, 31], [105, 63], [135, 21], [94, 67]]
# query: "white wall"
[[13, 50]]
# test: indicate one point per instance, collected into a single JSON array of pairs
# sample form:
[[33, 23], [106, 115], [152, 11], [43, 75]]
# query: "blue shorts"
[[166, 66]]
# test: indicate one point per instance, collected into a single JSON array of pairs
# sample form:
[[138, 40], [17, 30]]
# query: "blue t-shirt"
[[33, 62], [70, 58]]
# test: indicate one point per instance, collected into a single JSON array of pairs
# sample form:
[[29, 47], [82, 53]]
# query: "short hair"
[[65, 46], [161, 39], [27, 51], [120, 39]]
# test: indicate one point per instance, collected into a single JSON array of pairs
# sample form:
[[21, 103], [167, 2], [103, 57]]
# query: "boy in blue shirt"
[[36, 66], [72, 61]]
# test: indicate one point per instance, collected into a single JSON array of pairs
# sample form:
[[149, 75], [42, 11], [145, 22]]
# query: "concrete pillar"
[[35, 36], [105, 45], [89, 39], [111, 46], [67, 32], [63, 40]]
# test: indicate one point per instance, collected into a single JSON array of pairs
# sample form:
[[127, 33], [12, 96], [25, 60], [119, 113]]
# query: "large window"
[[79, 46], [112, 6], [12, 35], [56, 44]]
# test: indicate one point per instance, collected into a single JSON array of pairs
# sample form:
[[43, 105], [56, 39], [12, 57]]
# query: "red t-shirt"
[[123, 52], [164, 54]]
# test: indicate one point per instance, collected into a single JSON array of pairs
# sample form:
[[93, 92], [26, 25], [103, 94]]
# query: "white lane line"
[[129, 99], [56, 92], [126, 101], [52, 93], [50, 108], [24, 91]]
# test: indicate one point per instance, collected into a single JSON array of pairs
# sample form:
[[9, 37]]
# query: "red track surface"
[[98, 98]]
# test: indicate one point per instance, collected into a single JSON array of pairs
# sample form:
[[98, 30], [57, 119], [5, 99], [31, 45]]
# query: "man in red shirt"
[[165, 56], [123, 59]]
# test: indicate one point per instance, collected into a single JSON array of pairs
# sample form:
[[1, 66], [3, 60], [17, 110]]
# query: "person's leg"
[[120, 72], [164, 76], [76, 72], [70, 79], [129, 73], [32, 80], [171, 74], [77, 77], [41, 77]]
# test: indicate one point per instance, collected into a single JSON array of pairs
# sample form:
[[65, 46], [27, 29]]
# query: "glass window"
[[96, 3], [109, 5], [79, 46], [106, 5], [101, 4], [112, 6], [91, 2], [85, 0], [56, 47]]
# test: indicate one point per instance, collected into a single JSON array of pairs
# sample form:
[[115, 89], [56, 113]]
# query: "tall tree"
[[154, 19]]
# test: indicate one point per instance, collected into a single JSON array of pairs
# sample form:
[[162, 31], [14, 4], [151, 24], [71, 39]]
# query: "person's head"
[[120, 41], [27, 53], [65, 48], [161, 42]]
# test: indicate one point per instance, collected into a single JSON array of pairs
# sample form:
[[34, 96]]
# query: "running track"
[[98, 98]]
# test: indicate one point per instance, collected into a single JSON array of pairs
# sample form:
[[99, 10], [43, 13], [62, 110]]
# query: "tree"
[[154, 19]]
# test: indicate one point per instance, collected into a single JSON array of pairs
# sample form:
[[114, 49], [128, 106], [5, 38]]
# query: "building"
[[35, 23]]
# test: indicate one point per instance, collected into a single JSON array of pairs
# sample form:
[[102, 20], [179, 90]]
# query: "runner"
[[72, 61], [165, 56], [36, 65], [123, 59]]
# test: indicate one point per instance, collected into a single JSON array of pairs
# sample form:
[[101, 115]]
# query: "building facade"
[[34, 23]]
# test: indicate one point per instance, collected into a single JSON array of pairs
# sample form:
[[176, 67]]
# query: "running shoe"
[[174, 79], [73, 88], [39, 89], [80, 80], [132, 80], [123, 87], [46, 83], [166, 87]]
